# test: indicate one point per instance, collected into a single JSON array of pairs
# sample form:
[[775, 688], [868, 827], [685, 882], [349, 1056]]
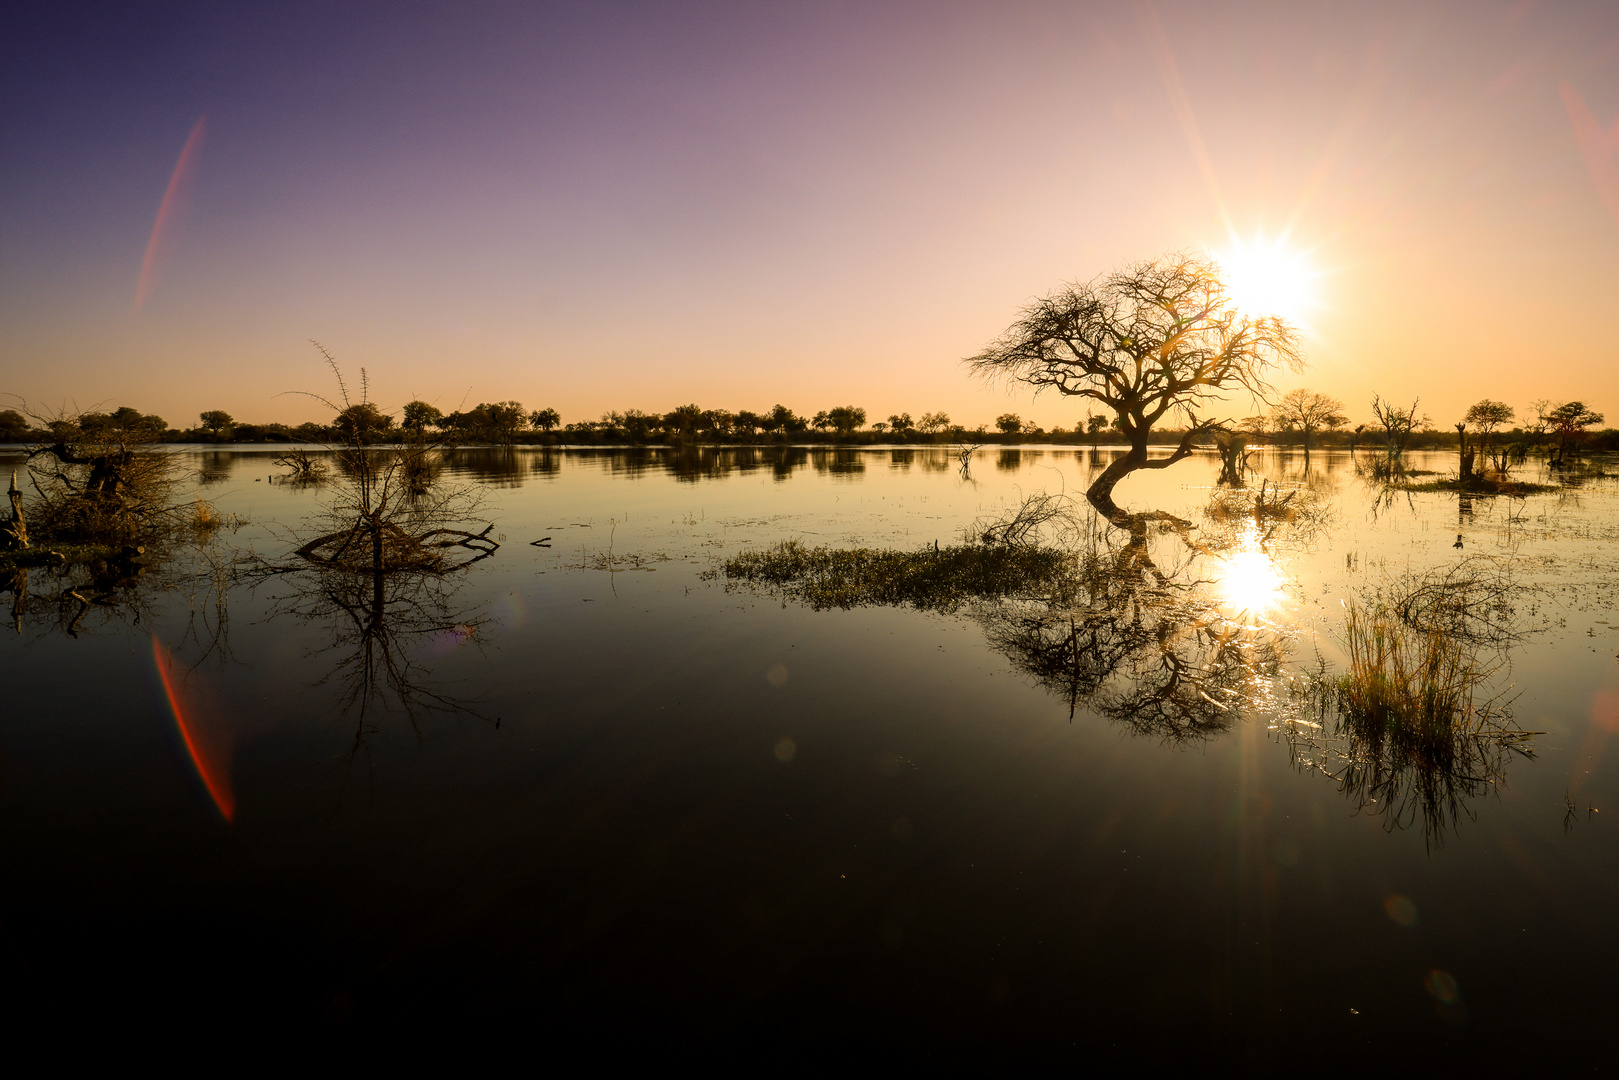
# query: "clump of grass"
[[934, 579], [204, 520], [58, 555], [1477, 484], [1415, 685], [1414, 731]]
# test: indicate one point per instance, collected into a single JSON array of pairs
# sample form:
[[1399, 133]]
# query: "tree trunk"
[[14, 534], [18, 585], [1100, 493]]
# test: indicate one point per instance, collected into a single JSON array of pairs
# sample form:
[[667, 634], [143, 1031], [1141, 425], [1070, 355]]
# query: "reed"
[[1417, 686]]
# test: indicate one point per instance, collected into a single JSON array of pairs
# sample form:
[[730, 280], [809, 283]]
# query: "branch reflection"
[[1178, 631]]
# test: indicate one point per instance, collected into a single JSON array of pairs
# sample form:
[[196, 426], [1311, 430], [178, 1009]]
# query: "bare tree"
[[1308, 412], [1397, 423], [1158, 335]]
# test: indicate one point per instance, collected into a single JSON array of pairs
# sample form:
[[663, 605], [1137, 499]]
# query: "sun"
[[1266, 277]]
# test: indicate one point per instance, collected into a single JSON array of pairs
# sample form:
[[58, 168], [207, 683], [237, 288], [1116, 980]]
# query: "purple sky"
[[612, 205]]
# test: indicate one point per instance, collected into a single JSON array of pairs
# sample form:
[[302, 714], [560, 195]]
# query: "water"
[[599, 792]]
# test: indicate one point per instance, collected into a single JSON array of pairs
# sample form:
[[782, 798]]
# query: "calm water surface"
[[595, 792]]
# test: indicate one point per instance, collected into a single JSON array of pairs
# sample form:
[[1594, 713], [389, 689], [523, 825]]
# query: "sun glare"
[[1249, 583], [1266, 277]]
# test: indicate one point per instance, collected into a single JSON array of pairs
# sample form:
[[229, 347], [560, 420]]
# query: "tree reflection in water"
[[381, 578], [1177, 632], [376, 628], [1144, 647]]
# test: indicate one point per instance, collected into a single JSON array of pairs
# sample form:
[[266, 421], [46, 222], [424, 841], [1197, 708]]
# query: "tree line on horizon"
[[1300, 417]]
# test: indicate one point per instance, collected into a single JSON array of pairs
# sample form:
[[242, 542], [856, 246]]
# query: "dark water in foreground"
[[597, 797]]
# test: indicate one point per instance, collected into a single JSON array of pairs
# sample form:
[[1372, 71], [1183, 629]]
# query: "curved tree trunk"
[[1100, 493]]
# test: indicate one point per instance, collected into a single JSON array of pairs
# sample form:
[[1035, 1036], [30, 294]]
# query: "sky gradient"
[[613, 205]]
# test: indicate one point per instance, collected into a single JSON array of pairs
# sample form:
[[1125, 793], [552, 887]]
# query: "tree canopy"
[[1308, 412], [1157, 335], [1488, 415]]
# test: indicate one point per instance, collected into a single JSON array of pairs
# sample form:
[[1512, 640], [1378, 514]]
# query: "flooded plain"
[[600, 786]]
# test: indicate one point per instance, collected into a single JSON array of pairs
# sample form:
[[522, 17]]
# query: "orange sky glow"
[[638, 206]]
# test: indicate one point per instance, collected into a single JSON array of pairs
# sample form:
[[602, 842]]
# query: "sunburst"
[[1268, 277]]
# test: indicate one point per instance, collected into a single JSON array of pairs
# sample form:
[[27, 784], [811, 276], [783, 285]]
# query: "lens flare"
[[1599, 147], [168, 212], [209, 755]]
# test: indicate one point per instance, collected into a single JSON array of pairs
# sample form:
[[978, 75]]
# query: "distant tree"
[[1307, 412], [934, 422], [1572, 418], [1484, 418], [846, 418], [125, 422], [822, 421], [1397, 423], [640, 426], [496, 422], [363, 423], [683, 422], [1095, 425], [216, 422], [747, 422], [419, 415], [900, 422], [1568, 422], [880, 426], [506, 419], [1159, 335], [719, 422], [1536, 423], [545, 419], [14, 426], [1009, 423], [784, 420], [1488, 415]]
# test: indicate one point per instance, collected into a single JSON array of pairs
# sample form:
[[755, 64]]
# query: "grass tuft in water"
[[1412, 685], [933, 579]]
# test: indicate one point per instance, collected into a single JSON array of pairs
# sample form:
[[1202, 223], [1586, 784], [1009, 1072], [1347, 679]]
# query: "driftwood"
[[382, 546]]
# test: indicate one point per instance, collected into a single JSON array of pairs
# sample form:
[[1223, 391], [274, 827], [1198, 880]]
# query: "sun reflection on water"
[[1250, 586]]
